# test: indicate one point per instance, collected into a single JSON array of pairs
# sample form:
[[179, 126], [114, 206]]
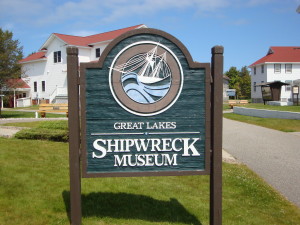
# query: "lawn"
[[23, 114], [54, 124], [272, 123], [44, 130], [272, 107], [33, 107], [34, 189]]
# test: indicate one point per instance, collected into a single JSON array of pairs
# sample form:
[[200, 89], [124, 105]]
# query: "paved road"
[[273, 155]]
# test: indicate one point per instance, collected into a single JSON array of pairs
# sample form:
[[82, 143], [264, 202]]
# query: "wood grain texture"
[[101, 112]]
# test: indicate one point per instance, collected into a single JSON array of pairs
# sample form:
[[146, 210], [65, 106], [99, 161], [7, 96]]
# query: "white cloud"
[[84, 12], [43, 12]]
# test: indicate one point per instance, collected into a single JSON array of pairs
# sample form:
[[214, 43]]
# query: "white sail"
[[149, 67]]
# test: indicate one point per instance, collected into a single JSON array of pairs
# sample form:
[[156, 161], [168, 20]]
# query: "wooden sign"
[[295, 89], [231, 92], [145, 109]]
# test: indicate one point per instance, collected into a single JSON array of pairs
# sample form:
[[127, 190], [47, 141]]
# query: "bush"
[[46, 130]]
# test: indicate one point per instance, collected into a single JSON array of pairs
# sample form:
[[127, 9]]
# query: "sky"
[[245, 28]]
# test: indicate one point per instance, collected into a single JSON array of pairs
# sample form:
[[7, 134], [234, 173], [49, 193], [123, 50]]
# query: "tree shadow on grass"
[[131, 206]]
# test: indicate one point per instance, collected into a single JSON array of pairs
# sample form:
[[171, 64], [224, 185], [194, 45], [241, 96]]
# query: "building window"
[[262, 68], [35, 86], [288, 87], [24, 95], [97, 52], [254, 70], [288, 68], [254, 86], [277, 68], [57, 56], [43, 86]]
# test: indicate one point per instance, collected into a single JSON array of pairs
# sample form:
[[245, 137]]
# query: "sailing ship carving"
[[146, 77]]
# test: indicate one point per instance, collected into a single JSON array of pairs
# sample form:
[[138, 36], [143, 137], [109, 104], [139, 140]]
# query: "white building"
[[46, 70], [280, 64]]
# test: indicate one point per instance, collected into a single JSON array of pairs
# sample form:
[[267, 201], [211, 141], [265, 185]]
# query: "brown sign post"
[[146, 109], [74, 135], [216, 133]]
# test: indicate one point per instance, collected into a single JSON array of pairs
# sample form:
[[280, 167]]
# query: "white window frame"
[[277, 68], [57, 57], [97, 52], [290, 69], [35, 86], [288, 87], [43, 86]]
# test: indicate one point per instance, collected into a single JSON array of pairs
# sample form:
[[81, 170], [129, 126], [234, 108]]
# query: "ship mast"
[[149, 62], [158, 67]]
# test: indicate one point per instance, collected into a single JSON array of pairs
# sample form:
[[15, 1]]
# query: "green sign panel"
[[145, 109]]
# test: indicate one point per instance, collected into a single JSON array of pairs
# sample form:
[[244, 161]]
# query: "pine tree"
[[10, 55], [245, 83]]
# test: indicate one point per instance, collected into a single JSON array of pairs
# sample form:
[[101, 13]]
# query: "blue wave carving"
[[144, 93]]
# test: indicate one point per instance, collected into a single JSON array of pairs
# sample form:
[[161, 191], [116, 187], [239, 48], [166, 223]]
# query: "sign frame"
[[231, 92], [99, 65], [214, 111], [295, 90]]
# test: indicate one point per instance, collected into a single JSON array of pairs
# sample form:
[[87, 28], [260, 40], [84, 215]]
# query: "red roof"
[[88, 40], [34, 56], [17, 83], [82, 41], [280, 54]]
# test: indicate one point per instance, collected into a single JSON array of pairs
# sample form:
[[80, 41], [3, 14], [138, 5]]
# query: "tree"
[[10, 54], [240, 80], [234, 79], [245, 83]]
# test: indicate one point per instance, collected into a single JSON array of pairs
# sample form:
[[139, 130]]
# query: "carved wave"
[[145, 93]]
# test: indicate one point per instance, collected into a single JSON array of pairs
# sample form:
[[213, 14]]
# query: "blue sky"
[[246, 28]]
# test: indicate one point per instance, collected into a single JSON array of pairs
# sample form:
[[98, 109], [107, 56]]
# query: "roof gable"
[[34, 57], [92, 39], [78, 41], [280, 54]]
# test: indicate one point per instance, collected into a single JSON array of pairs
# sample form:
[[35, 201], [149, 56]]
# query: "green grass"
[[226, 107], [25, 124], [59, 124], [277, 124], [34, 189], [33, 107], [44, 130], [272, 107], [18, 114]]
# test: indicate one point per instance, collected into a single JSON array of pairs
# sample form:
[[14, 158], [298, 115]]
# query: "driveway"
[[273, 155]]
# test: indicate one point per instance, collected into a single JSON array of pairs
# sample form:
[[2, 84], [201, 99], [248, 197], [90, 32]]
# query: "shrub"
[[44, 134]]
